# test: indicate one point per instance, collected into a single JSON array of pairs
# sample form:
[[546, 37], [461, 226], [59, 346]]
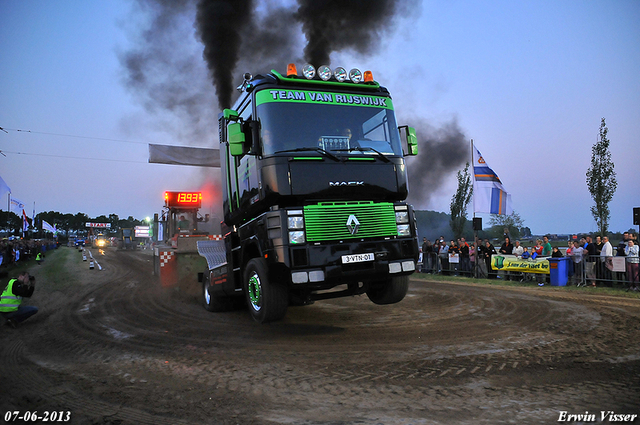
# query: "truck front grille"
[[329, 220]]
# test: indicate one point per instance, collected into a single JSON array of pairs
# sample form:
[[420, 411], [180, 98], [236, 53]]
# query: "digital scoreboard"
[[183, 199]]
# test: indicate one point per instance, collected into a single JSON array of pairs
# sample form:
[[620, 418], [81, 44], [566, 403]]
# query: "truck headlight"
[[296, 237], [408, 266], [402, 217], [296, 222], [403, 230]]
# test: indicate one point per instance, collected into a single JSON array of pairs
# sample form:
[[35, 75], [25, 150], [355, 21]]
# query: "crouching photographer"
[[11, 299]]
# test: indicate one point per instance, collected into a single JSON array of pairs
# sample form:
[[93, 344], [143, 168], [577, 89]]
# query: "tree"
[[459, 202], [129, 223], [601, 179], [67, 222], [101, 219], [78, 222], [113, 219], [512, 222], [10, 222]]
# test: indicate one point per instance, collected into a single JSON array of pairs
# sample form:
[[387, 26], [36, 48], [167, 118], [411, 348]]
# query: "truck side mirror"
[[236, 139], [412, 140]]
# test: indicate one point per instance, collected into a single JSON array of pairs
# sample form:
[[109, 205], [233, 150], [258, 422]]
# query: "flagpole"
[[8, 211], [473, 176], [473, 204]]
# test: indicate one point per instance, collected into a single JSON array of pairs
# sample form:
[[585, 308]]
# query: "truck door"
[[239, 172]]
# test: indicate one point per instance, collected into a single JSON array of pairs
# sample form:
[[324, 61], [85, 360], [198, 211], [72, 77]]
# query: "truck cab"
[[315, 181]]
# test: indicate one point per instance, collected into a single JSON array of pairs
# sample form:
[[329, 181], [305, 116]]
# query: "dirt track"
[[117, 348]]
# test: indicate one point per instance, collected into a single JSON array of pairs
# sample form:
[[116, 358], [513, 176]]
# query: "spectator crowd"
[[591, 262], [20, 250]]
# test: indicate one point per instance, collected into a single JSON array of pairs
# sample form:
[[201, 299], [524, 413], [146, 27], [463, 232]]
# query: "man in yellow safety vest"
[[11, 299]]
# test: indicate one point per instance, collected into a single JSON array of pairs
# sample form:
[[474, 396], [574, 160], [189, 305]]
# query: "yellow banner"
[[511, 263]]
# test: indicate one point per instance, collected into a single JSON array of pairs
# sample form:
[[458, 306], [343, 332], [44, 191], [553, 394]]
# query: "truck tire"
[[211, 302], [267, 301], [389, 291]]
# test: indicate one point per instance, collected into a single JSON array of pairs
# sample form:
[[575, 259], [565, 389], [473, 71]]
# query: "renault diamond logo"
[[353, 224]]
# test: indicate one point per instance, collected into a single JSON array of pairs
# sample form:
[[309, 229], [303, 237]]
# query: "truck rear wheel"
[[267, 301], [212, 302], [389, 291]]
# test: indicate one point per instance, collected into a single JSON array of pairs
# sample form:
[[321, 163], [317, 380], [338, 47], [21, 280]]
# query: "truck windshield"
[[336, 128]]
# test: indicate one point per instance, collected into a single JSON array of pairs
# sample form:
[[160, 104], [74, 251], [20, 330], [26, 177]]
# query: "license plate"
[[357, 258]]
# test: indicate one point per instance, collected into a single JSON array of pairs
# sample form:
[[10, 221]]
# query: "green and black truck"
[[314, 182]]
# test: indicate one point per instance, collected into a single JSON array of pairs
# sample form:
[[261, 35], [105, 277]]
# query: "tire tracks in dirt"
[[446, 342]]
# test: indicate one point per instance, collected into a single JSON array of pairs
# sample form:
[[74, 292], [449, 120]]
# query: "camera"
[[32, 279]]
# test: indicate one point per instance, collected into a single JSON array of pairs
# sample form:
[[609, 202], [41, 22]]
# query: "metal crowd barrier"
[[607, 271]]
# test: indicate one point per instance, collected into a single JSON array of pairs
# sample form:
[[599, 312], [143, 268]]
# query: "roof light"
[[308, 71], [324, 72], [292, 71], [355, 75], [368, 77], [340, 73]]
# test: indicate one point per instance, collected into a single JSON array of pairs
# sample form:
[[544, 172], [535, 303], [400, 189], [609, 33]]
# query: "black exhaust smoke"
[[441, 151], [244, 34], [219, 24], [228, 28], [334, 25], [163, 70]]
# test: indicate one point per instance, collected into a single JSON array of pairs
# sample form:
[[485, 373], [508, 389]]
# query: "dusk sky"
[[528, 81]]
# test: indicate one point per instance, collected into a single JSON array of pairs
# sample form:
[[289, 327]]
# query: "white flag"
[[4, 188], [489, 196], [46, 226], [16, 204]]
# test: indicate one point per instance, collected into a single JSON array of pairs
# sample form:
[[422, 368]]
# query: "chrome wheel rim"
[[254, 287], [207, 295]]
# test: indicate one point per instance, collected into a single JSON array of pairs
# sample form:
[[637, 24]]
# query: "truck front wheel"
[[388, 291], [267, 300]]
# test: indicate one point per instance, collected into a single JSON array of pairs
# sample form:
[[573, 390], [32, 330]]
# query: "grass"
[[615, 291], [60, 269]]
